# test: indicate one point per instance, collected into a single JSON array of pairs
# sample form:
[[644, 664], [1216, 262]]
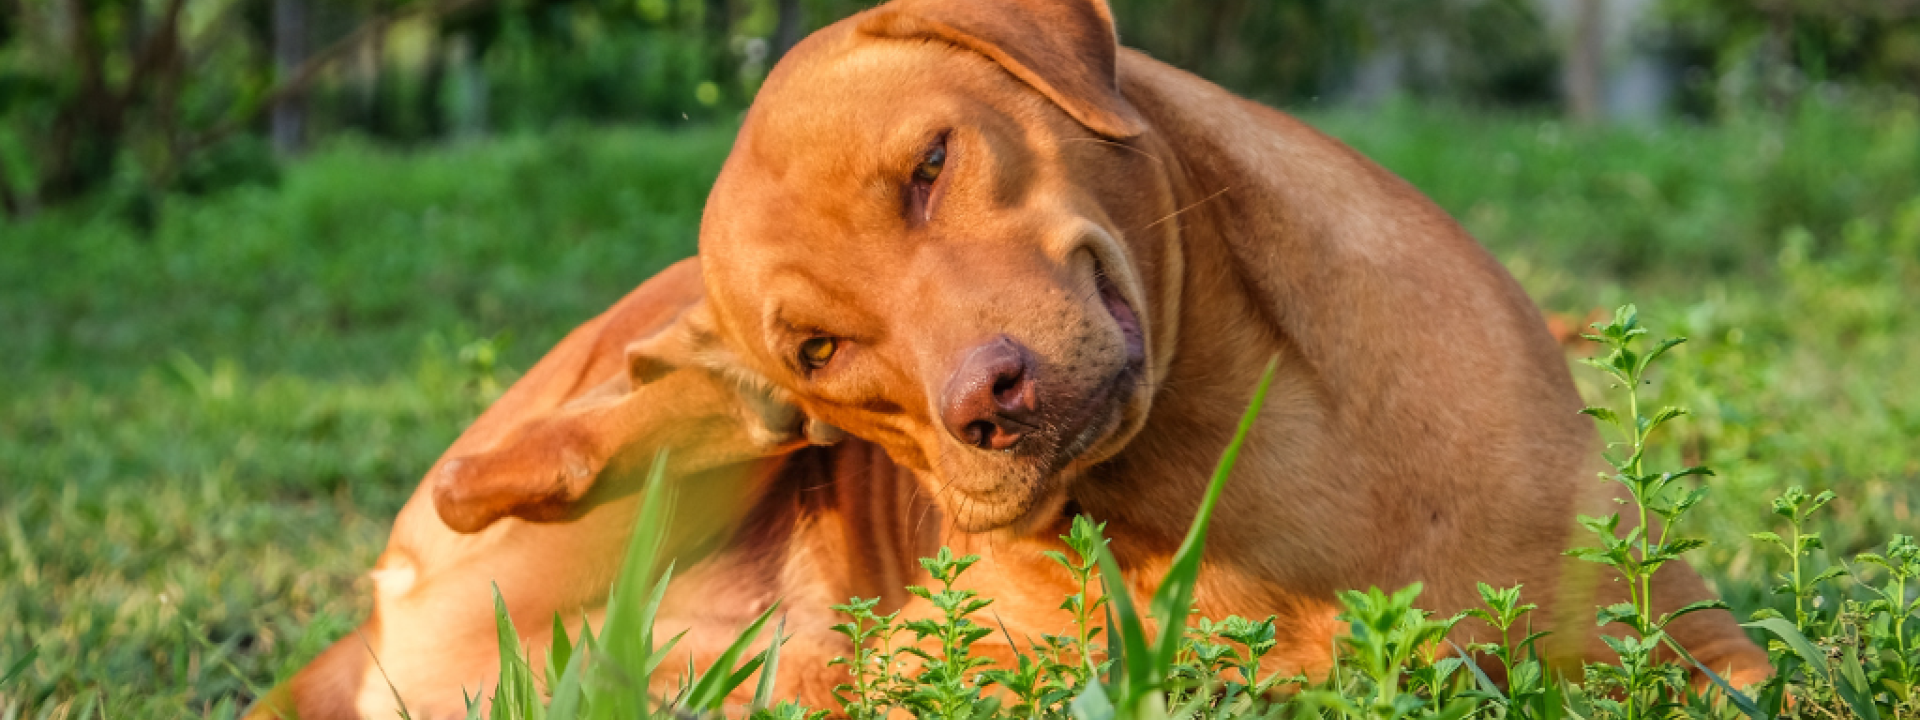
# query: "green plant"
[[1389, 641], [1796, 506], [1528, 691], [867, 697], [1255, 639], [1647, 687], [1890, 613], [949, 683], [1085, 539], [1833, 678]]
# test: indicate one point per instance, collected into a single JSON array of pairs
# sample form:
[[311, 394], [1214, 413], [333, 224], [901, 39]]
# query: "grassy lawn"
[[206, 427]]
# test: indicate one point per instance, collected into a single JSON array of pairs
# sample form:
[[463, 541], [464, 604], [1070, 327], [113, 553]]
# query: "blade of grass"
[[1175, 597], [720, 679], [567, 696], [1479, 676], [1739, 699], [1133, 672], [397, 701], [1139, 668], [514, 692], [20, 666], [617, 680], [763, 695], [559, 651]]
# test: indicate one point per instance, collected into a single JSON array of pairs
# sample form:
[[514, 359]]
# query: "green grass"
[[205, 428]]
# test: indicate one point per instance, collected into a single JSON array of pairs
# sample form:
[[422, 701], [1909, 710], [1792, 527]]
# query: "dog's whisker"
[[933, 504], [1190, 206]]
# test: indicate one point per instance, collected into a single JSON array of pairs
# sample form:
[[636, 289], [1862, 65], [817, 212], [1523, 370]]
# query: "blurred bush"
[[1740, 53], [138, 97], [1497, 51]]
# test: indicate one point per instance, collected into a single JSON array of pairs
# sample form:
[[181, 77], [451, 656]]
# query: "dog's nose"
[[990, 399]]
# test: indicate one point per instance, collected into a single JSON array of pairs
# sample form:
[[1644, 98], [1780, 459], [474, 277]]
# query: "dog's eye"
[[929, 168], [816, 352]]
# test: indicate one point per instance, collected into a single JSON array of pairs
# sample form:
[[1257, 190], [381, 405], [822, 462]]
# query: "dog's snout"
[[990, 399]]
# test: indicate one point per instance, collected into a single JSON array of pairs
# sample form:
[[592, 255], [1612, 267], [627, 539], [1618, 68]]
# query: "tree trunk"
[[85, 137], [1776, 65], [786, 28], [1586, 59], [373, 60], [289, 52], [10, 204], [717, 24]]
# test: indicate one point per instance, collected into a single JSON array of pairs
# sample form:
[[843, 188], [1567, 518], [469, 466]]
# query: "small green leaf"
[[1659, 349], [1789, 634], [1691, 608], [1680, 546], [1617, 613], [561, 650], [1660, 418], [1602, 414]]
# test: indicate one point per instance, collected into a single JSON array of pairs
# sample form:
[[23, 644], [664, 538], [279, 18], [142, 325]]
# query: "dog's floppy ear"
[[1066, 49], [689, 341]]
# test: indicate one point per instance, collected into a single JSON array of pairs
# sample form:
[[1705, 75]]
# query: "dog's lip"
[[1123, 315], [1104, 406], [1103, 410]]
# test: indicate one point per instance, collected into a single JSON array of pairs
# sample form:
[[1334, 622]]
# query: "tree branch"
[[309, 71], [157, 51]]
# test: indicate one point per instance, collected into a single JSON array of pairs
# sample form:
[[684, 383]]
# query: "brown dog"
[[566, 443], [1043, 272]]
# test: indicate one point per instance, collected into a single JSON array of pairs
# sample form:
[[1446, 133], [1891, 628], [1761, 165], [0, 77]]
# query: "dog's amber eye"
[[929, 168], [815, 353]]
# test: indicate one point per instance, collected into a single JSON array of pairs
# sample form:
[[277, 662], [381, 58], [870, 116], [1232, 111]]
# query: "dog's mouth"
[[1104, 406], [1124, 316]]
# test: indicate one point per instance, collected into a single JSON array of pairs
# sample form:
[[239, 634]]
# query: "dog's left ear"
[[689, 341], [1066, 49]]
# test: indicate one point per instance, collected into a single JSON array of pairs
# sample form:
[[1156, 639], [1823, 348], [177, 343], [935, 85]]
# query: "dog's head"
[[939, 229], [681, 392]]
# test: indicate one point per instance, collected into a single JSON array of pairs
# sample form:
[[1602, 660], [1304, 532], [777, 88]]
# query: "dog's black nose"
[[990, 400]]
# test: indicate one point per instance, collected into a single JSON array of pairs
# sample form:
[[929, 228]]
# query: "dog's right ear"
[[1066, 49]]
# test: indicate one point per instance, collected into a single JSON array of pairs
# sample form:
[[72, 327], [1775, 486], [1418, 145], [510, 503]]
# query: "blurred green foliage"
[[1482, 51], [1771, 51], [1675, 199], [136, 98]]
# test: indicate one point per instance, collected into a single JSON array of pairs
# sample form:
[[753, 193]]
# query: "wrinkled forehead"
[[818, 165]]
